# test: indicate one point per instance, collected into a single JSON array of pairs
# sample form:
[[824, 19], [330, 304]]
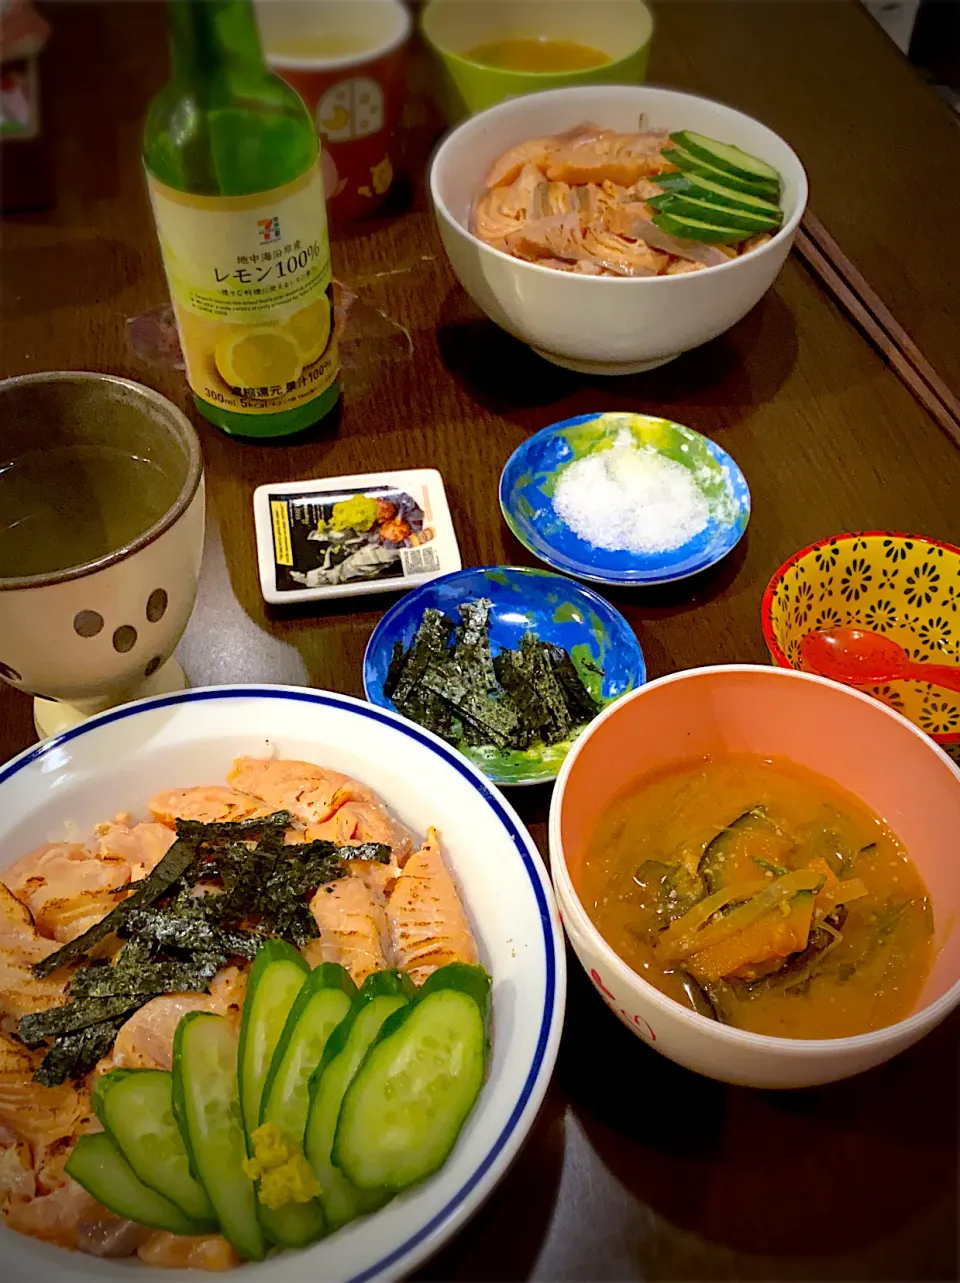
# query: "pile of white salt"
[[631, 499]]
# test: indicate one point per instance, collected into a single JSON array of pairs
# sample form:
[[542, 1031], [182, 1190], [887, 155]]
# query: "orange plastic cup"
[[346, 61]]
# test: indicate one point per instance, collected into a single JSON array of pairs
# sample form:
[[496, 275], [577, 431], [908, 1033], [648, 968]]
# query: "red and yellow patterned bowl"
[[904, 586]]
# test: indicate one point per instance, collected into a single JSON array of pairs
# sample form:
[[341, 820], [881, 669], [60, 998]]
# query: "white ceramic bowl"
[[119, 759], [605, 325], [864, 746]]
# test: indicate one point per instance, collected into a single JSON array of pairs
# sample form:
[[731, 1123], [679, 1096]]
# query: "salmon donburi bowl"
[[275, 964], [613, 227]]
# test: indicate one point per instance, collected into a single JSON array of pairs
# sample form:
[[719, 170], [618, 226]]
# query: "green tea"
[[71, 505]]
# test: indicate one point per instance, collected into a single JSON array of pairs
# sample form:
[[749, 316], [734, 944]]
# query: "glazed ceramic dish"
[[621, 29], [903, 586], [530, 476], [865, 748], [118, 760], [551, 606], [91, 636], [598, 324]]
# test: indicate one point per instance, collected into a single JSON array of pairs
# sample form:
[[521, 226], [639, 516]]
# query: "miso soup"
[[761, 895]]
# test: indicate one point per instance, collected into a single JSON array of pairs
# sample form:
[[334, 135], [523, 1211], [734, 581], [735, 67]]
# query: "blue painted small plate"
[[528, 481], [556, 609]]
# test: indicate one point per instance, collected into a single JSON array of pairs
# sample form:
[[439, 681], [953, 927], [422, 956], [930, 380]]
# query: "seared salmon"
[[145, 1041], [353, 928], [576, 202], [209, 1252], [142, 846], [208, 803], [428, 925], [316, 795]]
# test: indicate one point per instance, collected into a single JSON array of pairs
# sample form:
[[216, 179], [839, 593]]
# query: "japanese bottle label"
[[252, 290]]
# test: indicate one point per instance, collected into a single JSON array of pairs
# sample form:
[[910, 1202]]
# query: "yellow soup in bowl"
[[761, 895]]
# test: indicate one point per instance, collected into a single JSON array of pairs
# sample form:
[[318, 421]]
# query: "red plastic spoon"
[[859, 657]]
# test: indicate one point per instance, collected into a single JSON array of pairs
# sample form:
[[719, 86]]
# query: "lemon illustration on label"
[[310, 329], [260, 358]]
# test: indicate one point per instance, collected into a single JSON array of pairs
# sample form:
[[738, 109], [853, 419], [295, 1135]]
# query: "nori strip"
[[394, 672], [511, 671], [539, 671], [198, 833], [429, 710], [159, 879], [36, 1027], [149, 978], [580, 703], [471, 651], [178, 927], [429, 645], [75, 1054], [497, 717]]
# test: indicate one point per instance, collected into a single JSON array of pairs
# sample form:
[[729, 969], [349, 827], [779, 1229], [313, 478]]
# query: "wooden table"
[[635, 1168]]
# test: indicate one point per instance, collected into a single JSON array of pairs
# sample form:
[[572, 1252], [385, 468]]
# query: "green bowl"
[[622, 29]]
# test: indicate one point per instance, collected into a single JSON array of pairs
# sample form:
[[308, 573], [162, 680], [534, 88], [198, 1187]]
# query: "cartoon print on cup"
[[351, 109], [645, 1029]]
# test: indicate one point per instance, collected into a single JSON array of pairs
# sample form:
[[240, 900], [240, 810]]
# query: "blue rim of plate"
[[528, 510], [469, 772], [617, 651]]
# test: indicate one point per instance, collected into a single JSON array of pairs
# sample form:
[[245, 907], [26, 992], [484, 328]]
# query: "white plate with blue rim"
[[118, 760], [529, 481]]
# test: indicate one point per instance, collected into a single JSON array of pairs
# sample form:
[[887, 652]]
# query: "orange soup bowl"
[[866, 748]]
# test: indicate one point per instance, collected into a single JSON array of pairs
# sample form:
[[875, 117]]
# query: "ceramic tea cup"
[[101, 533]]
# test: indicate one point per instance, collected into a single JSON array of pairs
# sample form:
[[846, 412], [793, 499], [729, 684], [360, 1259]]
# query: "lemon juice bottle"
[[232, 163]]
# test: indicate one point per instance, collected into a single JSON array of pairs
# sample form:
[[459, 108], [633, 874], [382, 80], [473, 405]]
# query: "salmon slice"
[[142, 846], [317, 796], [209, 1252], [357, 822], [556, 237], [622, 257], [145, 1041], [309, 792], [428, 925], [621, 158], [208, 803], [503, 209], [634, 221], [61, 870], [352, 926], [17, 1179], [41, 1116], [55, 1217], [537, 152], [20, 947], [16, 920]]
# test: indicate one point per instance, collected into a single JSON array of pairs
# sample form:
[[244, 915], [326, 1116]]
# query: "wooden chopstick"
[[825, 257]]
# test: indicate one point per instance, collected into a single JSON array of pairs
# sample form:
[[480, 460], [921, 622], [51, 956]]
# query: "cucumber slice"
[[700, 188], [277, 976], [684, 206], [689, 163], [97, 1164], [321, 1005], [135, 1107], [403, 1111], [381, 994], [726, 157], [207, 1107], [694, 229]]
